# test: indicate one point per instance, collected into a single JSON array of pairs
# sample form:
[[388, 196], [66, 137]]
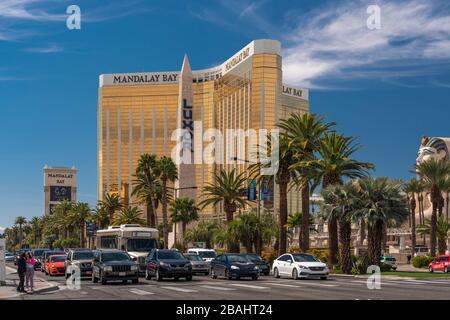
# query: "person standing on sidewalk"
[[21, 270], [29, 276]]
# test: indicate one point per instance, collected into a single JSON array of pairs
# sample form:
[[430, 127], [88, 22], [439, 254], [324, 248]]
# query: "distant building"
[[60, 183]]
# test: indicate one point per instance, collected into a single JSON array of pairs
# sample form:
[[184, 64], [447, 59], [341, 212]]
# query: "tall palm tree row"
[[128, 215], [183, 210], [434, 175], [20, 221], [112, 203], [413, 189]]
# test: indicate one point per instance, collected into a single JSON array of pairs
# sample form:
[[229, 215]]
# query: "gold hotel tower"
[[138, 112]]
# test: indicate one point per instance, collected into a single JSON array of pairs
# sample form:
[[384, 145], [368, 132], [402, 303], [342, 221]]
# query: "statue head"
[[433, 148]]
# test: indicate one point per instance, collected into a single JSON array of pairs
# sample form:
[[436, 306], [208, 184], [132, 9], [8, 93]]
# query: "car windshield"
[[141, 245], [59, 259], [254, 257], [238, 258], [85, 255], [50, 253], [38, 252], [115, 256], [304, 258], [207, 254], [389, 259], [193, 257], [170, 255]]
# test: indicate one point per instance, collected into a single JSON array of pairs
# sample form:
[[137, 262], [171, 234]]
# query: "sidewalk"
[[12, 280], [410, 268]]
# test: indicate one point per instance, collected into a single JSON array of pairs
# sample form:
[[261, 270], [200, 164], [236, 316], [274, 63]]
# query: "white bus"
[[136, 240]]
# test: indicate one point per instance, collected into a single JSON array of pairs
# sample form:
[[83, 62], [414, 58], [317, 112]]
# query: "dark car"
[[18, 253], [199, 266], [164, 263], [113, 265], [263, 266], [46, 254], [81, 259], [233, 265], [37, 254]]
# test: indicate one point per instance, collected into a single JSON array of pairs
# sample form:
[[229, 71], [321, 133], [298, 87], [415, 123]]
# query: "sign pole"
[[2, 262]]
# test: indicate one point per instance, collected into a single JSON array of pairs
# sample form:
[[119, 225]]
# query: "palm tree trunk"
[[332, 241], [164, 211], [362, 232], [413, 226], [82, 242], [375, 237], [433, 224], [304, 244], [150, 215], [344, 241], [283, 218], [183, 229], [447, 202]]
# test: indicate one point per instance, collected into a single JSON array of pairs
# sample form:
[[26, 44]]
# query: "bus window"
[[108, 242]]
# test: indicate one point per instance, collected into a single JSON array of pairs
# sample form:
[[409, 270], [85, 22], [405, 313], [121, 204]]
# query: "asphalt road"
[[265, 288]]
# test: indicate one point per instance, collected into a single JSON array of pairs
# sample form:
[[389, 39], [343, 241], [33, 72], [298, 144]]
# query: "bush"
[[66, 243], [294, 249], [385, 267], [269, 255], [179, 246], [421, 261], [321, 254], [355, 271]]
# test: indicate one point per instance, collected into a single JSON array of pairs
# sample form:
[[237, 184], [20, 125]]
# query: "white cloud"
[[52, 48], [335, 43]]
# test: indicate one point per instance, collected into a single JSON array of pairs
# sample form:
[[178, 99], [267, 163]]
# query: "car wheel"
[[213, 274], [228, 275], [430, 269], [135, 281], [446, 270], [206, 273], [323, 278], [94, 279], [147, 275], [189, 278], [158, 276], [295, 274], [176, 278], [276, 274], [102, 280], [255, 278]]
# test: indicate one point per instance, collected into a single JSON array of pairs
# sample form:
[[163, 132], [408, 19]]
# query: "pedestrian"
[[29, 276], [409, 258], [21, 270]]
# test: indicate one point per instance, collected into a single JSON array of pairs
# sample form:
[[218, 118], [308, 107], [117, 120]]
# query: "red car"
[[55, 265], [441, 263]]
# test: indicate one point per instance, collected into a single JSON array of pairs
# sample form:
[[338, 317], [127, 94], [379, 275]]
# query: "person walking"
[[29, 276], [21, 270]]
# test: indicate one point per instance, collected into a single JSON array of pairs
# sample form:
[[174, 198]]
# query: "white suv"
[[205, 254], [299, 265]]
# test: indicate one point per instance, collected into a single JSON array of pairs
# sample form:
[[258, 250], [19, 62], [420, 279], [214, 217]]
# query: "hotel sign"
[[296, 92], [129, 79]]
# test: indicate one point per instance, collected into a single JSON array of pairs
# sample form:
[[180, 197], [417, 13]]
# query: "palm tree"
[[339, 204], [334, 164], [112, 203], [80, 213], [20, 221], [204, 232], [166, 171], [380, 202], [185, 211], [100, 216], [303, 133], [295, 221], [434, 174], [36, 230], [61, 219], [413, 188], [147, 186], [129, 215], [442, 230], [283, 178]]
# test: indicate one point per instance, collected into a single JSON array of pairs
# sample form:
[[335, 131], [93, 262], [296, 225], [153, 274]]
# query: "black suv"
[[113, 264], [80, 258], [263, 266], [164, 263]]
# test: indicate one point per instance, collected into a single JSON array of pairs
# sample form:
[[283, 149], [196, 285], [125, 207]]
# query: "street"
[[265, 288]]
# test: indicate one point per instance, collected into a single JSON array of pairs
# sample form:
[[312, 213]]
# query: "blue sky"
[[387, 87]]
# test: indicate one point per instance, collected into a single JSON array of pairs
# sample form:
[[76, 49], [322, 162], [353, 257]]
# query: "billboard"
[[251, 192], [60, 193]]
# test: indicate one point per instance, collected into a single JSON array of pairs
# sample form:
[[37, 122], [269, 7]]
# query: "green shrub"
[[294, 249], [355, 271], [269, 255], [385, 267], [179, 246], [421, 261], [321, 254]]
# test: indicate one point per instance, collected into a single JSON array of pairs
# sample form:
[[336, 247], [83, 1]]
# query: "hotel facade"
[[140, 112]]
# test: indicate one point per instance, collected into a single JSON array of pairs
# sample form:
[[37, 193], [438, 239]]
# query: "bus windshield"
[[141, 245]]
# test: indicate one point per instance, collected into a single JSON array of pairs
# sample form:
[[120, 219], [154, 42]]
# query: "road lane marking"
[[247, 286], [139, 292], [283, 285], [217, 288], [318, 284], [178, 289]]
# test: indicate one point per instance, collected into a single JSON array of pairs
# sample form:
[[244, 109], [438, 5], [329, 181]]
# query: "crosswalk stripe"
[[428, 282], [247, 286], [179, 289], [283, 285], [139, 292], [319, 284], [217, 288], [383, 283]]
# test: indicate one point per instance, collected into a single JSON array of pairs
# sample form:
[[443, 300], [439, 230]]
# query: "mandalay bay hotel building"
[[140, 112]]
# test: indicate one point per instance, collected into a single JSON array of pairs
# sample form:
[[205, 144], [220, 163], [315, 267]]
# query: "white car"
[[206, 254], [299, 265]]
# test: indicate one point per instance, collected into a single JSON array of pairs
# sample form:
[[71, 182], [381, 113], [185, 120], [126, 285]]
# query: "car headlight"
[[256, 268], [133, 268], [234, 268], [108, 268], [53, 266], [302, 267], [163, 264]]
